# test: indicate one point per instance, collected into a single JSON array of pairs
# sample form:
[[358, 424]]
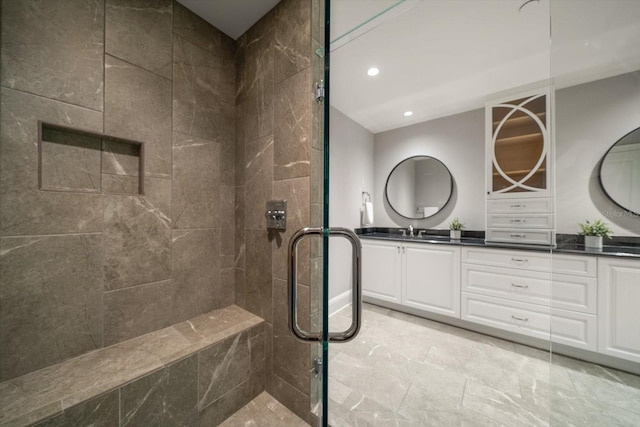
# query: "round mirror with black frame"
[[619, 172], [419, 187]]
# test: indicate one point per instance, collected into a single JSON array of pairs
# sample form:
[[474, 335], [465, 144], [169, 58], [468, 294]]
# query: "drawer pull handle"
[[522, 319], [518, 206], [515, 285], [518, 235], [520, 261], [518, 221]]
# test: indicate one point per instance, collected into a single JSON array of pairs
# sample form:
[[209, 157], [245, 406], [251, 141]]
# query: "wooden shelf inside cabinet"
[[520, 120], [521, 139], [521, 172]]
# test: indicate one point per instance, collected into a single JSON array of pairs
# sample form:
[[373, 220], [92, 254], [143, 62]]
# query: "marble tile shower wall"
[[274, 161], [80, 271]]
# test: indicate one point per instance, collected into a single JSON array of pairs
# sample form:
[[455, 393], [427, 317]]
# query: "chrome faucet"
[[410, 230], [421, 232]]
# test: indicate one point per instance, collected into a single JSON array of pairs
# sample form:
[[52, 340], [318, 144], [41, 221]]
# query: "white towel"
[[367, 214], [427, 211]]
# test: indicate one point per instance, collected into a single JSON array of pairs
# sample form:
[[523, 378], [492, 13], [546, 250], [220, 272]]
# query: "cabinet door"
[[518, 146], [618, 310], [381, 270], [432, 279]]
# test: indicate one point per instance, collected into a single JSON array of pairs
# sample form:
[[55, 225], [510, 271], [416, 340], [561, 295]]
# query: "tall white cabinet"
[[519, 163]]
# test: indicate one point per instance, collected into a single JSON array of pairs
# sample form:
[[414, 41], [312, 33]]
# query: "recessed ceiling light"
[[373, 71], [408, 113]]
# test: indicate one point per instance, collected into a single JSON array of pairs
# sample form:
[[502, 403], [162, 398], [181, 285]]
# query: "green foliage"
[[456, 224], [595, 228]]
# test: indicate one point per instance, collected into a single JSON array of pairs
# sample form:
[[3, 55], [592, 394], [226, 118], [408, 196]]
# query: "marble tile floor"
[[264, 411], [404, 370]]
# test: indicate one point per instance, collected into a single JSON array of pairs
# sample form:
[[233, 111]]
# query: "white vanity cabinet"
[[422, 276], [619, 308], [584, 301], [432, 278], [382, 270], [532, 293]]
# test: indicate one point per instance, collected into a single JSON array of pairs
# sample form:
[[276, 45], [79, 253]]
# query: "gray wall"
[[589, 119], [458, 142], [226, 126], [81, 271], [351, 173], [275, 159]]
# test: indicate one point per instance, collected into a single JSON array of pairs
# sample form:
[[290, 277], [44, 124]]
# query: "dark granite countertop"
[[607, 250], [564, 246]]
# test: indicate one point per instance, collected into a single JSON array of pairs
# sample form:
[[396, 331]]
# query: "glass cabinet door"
[[520, 145]]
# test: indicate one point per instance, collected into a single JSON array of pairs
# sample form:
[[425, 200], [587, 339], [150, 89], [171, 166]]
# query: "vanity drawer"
[[562, 291], [575, 293], [569, 328], [520, 221], [527, 319], [524, 260], [531, 287], [582, 265], [526, 236], [575, 329], [527, 206]]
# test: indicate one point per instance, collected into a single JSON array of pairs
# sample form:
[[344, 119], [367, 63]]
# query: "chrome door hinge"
[[317, 366], [320, 92]]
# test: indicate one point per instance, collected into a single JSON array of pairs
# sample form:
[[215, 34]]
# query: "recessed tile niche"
[[79, 161]]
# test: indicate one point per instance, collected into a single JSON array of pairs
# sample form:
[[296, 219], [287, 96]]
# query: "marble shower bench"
[[198, 371]]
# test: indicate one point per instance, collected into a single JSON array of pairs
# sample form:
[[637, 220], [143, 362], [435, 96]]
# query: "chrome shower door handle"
[[293, 284], [356, 293], [356, 285]]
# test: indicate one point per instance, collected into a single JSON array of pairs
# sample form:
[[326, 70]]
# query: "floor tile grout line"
[[406, 393], [464, 391]]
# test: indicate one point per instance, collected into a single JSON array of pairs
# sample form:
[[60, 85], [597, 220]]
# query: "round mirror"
[[419, 187], [620, 172]]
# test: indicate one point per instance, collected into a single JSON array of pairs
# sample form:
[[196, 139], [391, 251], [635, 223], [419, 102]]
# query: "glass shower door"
[[409, 366], [572, 358], [312, 324], [595, 66]]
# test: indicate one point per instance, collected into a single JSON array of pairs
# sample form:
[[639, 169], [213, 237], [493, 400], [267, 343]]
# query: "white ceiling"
[[232, 17], [441, 57]]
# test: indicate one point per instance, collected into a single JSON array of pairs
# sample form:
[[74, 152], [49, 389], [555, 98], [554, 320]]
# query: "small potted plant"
[[594, 232], [455, 228]]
